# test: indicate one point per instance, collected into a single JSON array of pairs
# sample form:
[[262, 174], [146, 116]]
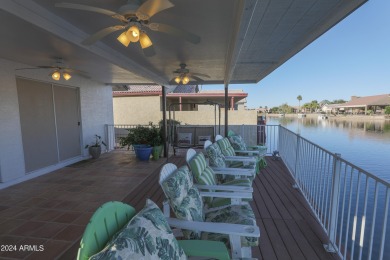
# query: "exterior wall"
[[95, 106], [145, 109], [206, 117], [137, 110]]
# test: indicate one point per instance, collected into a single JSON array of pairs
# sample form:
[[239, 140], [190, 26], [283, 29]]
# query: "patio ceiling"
[[241, 41]]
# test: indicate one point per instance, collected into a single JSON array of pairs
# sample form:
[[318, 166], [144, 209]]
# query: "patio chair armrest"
[[225, 188], [229, 195], [205, 248], [215, 227], [234, 171], [247, 151], [240, 159]]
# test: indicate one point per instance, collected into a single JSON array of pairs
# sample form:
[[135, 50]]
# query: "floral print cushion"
[[235, 214], [226, 147], [146, 236], [184, 198], [217, 159], [237, 142]]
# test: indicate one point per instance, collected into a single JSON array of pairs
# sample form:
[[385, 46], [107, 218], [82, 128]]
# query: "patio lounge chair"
[[117, 231], [218, 161], [206, 178], [235, 224], [228, 150], [239, 144]]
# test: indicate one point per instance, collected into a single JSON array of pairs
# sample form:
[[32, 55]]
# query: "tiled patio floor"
[[52, 210]]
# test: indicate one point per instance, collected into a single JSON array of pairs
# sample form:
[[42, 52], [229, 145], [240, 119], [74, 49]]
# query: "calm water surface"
[[363, 143]]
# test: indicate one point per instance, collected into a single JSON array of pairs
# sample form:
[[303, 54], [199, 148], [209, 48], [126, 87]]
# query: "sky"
[[351, 59]]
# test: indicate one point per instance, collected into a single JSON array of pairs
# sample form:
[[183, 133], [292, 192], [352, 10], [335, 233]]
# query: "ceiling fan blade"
[[92, 9], [201, 75], [29, 69], [175, 31], [102, 33], [196, 78], [152, 7]]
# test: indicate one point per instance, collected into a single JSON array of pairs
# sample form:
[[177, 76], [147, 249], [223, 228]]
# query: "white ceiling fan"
[[135, 18], [184, 75], [59, 69]]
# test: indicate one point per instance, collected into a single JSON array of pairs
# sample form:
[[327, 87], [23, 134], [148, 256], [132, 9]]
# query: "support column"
[[164, 116], [180, 105], [232, 103], [226, 108]]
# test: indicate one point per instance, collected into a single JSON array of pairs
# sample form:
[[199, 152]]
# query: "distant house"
[[330, 108], [361, 105], [143, 104]]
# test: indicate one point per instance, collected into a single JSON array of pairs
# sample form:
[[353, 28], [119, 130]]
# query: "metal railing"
[[114, 132], [351, 204]]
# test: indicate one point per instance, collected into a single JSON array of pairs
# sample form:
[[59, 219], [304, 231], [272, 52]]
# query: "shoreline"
[[338, 117]]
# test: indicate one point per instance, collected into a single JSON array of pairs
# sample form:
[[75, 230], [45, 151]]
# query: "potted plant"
[[140, 138], [156, 135], [95, 148]]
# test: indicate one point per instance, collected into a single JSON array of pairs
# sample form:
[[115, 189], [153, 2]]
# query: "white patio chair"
[[186, 202]]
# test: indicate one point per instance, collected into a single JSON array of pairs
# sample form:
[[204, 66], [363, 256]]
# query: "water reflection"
[[364, 143]]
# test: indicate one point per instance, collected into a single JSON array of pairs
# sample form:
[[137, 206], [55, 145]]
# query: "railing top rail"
[[376, 178]]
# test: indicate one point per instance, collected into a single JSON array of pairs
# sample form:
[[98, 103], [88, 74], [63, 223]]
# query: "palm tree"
[[299, 99]]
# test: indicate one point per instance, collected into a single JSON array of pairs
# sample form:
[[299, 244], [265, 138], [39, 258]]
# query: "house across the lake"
[[365, 105]]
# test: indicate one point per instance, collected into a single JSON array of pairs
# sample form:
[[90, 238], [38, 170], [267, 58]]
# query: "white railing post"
[[334, 204], [295, 186]]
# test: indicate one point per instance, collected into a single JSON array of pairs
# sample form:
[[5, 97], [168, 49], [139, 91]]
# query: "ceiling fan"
[[184, 75], [59, 69], [135, 18]]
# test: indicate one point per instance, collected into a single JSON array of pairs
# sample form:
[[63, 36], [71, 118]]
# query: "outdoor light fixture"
[[177, 80], [56, 75], [66, 76], [184, 79], [124, 39], [133, 34], [144, 40]]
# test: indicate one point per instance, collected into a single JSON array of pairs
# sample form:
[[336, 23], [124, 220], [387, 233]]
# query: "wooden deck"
[[287, 226], [53, 209]]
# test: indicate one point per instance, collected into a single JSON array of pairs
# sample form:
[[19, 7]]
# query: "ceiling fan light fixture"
[[124, 39], [133, 33], [66, 76], [56, 75], [144, 40], [185, 80], [177, 80]]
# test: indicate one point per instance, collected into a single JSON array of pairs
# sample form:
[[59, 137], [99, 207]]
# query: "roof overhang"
[[241, 41]]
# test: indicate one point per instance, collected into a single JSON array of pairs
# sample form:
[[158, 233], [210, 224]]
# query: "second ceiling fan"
[[135, 18], [184, 75]]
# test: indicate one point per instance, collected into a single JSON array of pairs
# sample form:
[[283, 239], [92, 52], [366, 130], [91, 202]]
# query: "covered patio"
[[53, 210]]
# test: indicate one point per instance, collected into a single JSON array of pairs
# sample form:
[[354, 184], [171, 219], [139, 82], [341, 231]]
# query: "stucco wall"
[[95, 110], [137, 110], [143, 109]]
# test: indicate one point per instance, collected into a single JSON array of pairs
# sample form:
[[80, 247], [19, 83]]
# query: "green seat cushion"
[[235, 214], [146, 236], [226, 147], [205, 248], [201, 172], [184, 198]]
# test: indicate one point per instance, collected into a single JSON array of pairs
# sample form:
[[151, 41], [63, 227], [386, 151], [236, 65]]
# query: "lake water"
[[364, 143]]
